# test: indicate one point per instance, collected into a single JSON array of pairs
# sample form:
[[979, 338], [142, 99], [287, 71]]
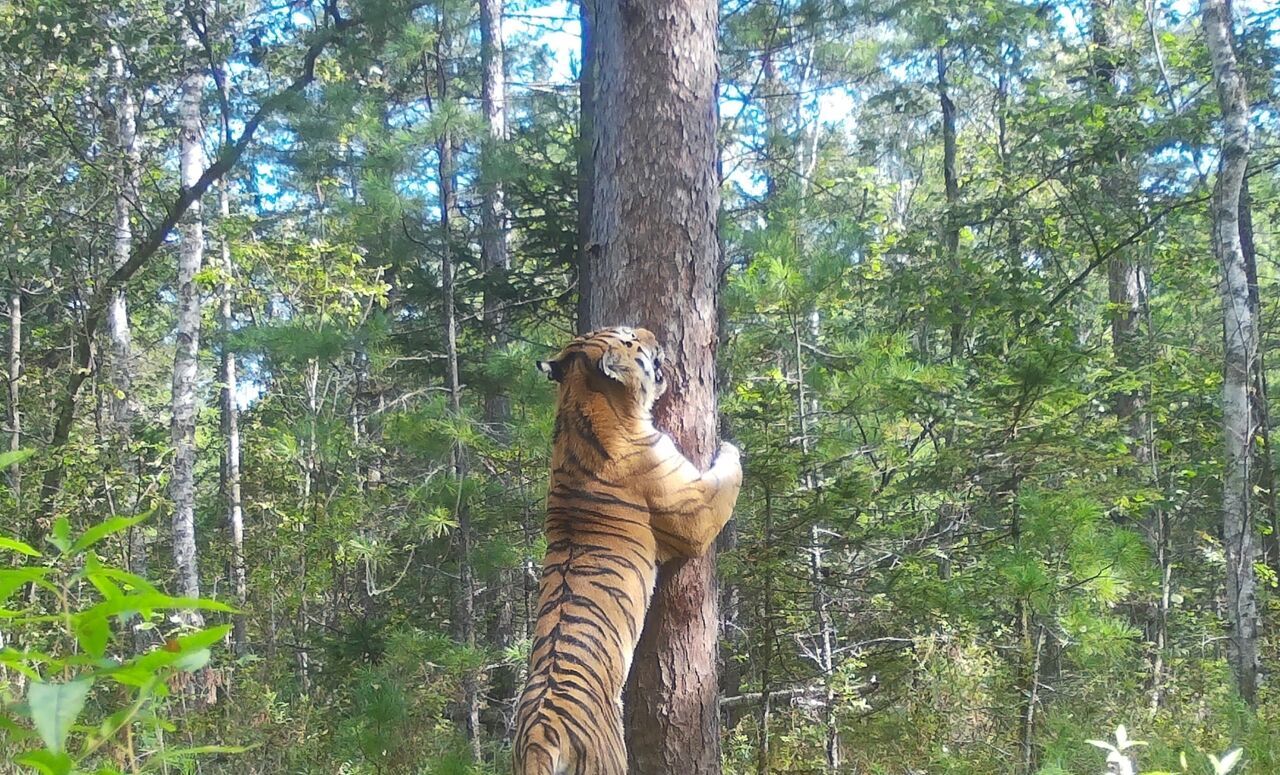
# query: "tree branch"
[[226, 161]]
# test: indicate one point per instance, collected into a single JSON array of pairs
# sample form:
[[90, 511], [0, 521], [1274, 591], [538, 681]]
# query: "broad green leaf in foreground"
[[54, 708]]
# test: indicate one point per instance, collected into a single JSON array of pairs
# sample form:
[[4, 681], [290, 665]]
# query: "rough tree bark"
[[186, 354], [1240, 349], [654, 204]]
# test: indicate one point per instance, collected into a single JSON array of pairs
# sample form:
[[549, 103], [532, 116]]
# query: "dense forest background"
[[277, 274]]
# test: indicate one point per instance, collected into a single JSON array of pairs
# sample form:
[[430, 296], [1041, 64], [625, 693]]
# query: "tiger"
[[622, 499]]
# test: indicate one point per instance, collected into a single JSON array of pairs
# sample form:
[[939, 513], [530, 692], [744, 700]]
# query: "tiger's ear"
[[553, 369], [609, 363]]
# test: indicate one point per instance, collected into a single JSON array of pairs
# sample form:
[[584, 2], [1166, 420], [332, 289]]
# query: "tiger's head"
[[612, 360]]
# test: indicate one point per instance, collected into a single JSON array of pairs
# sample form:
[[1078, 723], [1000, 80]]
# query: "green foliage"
[[925, 384], [65, 613]]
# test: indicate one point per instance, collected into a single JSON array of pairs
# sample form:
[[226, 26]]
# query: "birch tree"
[[231, 430], [1240, 331], [120, 400], [187, 335]]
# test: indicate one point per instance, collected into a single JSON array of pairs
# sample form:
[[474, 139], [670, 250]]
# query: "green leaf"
[[15, 457], [55, 707], [60, 535], [191, 654], [193, 661], [203, 638], [13, 579], [177, 754], [137, 583], [15, 545], [104, 584], [13, 730], [92, 634], [46, 762], [149, 601], [105, 528]]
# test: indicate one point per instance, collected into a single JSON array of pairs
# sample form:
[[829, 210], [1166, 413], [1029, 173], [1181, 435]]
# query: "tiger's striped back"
[[621, 500]]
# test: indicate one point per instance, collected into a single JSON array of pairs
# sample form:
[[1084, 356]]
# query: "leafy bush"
[[77, 694]]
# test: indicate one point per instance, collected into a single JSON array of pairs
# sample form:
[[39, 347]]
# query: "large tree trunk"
[[655, 199], [231, 436], [1240, 347], [186, 354]]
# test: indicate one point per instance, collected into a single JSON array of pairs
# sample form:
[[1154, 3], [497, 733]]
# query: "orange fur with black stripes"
[[622, 500]]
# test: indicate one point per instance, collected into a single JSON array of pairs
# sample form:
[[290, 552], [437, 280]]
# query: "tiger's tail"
[[539, 753]]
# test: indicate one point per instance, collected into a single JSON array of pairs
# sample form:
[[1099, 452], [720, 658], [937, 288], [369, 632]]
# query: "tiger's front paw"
[[729, 461]]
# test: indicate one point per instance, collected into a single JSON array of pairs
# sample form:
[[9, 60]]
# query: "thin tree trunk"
[[496, 263], [119, 365], [187, 350], [949, 514], [826, 638], [231, 435], [1266, 473], [310, 469], [1033, 657], [465, 605], [1126, 292], [120, 360], [13, 384], [83, 336], [1241, 350], [951, 186], [767, 641], [586, 177], [654, 204], [494, 258], [1118, 181]]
